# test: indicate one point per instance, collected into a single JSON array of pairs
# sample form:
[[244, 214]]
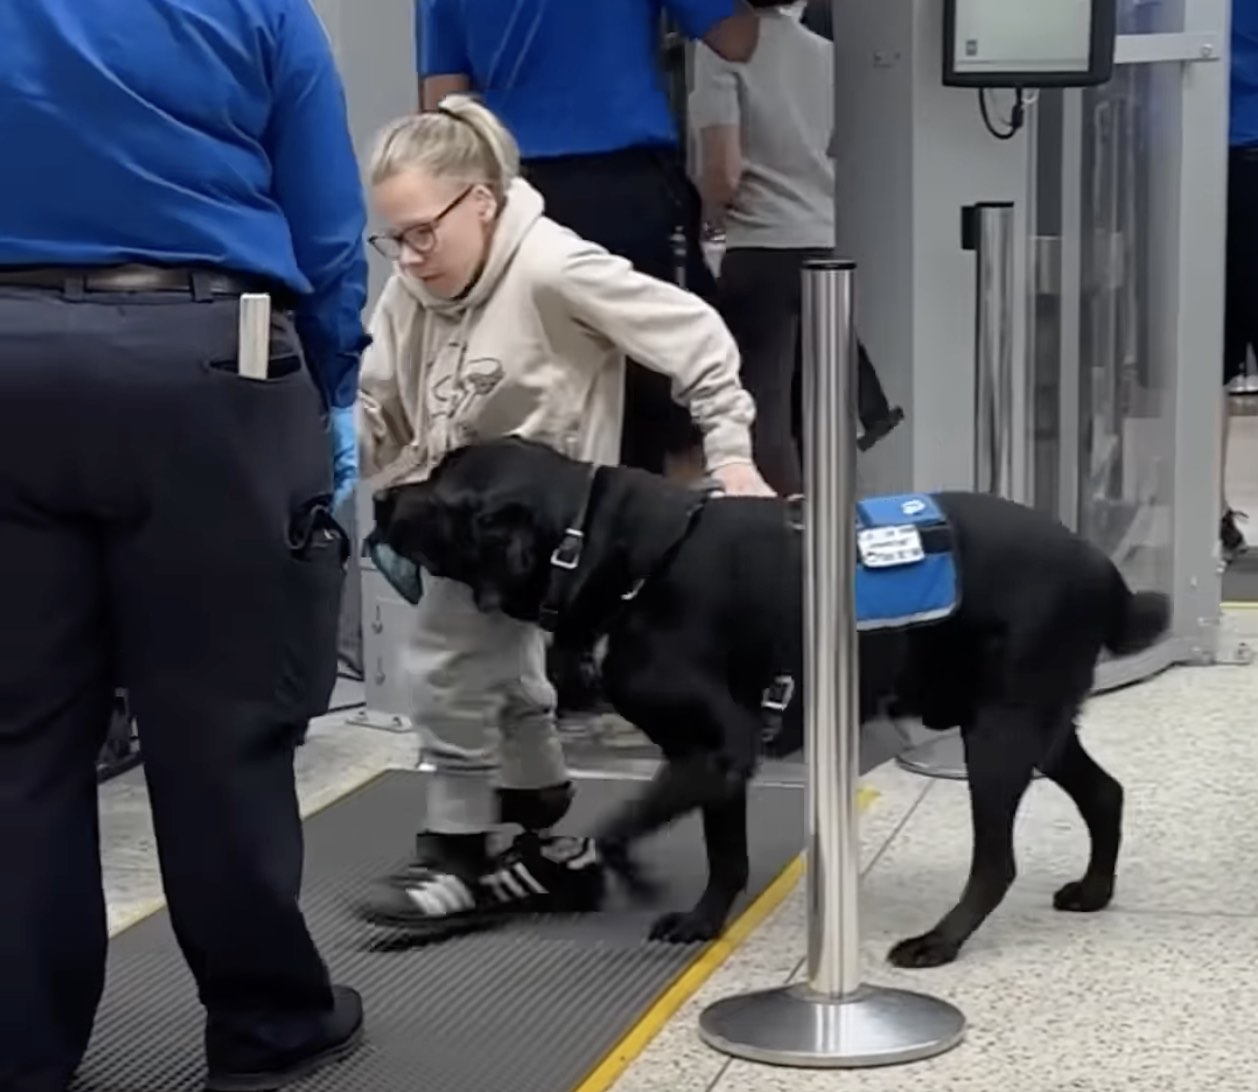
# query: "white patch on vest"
[[885, 547]]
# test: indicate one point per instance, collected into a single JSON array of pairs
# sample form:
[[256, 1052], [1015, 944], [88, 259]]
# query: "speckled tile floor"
[[1158, 993]]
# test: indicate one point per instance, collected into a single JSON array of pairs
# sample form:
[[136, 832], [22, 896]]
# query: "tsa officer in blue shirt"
[[580, 86], [164, 519]]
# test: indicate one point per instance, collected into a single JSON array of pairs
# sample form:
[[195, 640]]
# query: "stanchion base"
[[942, 758], [793, 1026]]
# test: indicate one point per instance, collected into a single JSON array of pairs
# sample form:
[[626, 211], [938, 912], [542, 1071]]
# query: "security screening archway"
[[1117, 194], [986, 230], [1015, 45]]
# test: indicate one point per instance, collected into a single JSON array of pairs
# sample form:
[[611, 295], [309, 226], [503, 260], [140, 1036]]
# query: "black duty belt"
[[134, 278]]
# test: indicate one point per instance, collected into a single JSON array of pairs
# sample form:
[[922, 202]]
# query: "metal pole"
[[993, 350], [986, 229], [832, 663], [253, 354], [833, 1021]]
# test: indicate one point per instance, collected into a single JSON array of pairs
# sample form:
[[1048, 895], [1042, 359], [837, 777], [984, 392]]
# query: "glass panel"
[[1104, 281], [1128, 282], [1150, 16], [1044, 335]]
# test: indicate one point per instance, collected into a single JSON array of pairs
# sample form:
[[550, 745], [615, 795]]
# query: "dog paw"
[[1082, 897], [931, 950], [685, 928]]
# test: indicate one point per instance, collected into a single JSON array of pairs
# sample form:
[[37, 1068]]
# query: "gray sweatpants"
[[482, 705]]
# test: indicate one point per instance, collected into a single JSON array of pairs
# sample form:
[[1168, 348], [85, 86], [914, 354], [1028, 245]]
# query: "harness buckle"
[[567, 555], [632, 593], [778, 695]]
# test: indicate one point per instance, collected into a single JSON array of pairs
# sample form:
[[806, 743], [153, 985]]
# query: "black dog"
[[701, 603]]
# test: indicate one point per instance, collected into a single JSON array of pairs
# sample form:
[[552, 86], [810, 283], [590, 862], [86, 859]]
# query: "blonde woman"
[[498, 321]]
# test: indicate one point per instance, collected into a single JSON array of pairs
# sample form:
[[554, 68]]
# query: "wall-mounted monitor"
[[1028, 43]]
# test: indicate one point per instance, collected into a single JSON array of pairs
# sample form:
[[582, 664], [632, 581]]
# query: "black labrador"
[[700, 601]]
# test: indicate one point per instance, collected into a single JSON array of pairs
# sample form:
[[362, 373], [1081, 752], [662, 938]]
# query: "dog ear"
[[424, 528]]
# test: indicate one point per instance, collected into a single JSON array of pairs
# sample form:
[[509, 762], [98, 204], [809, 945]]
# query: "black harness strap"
[[567, 556], [779, 693]]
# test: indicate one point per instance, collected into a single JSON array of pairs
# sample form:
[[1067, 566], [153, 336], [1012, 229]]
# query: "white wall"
[[911, 153], [374, 45]]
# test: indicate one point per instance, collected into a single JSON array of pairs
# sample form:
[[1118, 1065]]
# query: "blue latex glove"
[[344, 454]]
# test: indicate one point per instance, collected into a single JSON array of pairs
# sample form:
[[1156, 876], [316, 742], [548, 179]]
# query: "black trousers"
[[761, 298], [1240, 327], [631, 202], [761, 293], [159, 529]]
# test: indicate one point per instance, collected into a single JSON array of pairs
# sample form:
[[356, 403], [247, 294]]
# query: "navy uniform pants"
[[160, 529]]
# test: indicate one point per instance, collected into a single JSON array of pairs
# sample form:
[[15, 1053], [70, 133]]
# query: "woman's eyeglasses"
[[419, 238]]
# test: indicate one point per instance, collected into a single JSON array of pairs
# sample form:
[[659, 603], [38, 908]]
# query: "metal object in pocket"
[[254, 337]]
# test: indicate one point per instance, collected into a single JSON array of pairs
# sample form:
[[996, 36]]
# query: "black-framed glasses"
[[420, 238]]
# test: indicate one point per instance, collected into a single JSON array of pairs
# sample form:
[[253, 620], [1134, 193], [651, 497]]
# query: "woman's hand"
[[742, 480]]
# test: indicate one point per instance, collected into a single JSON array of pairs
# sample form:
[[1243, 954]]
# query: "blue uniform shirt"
[[568, 77], [1244, 114], [187, 132]]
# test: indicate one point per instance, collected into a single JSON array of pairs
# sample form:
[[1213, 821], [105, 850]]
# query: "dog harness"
[[906, 575], [566, 560]]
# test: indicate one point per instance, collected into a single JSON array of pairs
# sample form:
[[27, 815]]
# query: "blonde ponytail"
[[462, 139]]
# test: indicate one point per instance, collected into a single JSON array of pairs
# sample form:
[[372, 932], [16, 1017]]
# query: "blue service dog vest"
[[906, 571]]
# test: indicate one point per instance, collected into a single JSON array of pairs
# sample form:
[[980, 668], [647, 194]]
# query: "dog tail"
[[1136, 619]]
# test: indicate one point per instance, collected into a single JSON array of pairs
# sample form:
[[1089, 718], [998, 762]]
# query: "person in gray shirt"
[[767, 178]]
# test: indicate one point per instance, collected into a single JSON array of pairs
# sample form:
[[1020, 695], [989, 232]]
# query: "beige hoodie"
[[537, 348]]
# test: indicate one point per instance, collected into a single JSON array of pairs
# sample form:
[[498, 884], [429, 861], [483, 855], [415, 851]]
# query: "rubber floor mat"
[[533, 1006]]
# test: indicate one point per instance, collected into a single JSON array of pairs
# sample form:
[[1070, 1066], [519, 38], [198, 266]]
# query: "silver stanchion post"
[[992, 235], [833, 1021], [254, 348], [987, 229]]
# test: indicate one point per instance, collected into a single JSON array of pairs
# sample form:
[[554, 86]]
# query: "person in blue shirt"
[[1241, 301], [165, 518]]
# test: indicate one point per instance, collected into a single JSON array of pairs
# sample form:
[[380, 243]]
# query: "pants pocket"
[[318, 551]]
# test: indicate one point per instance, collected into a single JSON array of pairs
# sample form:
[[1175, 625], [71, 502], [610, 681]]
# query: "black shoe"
[[538, 874], [1230, 537], [338, 1035]]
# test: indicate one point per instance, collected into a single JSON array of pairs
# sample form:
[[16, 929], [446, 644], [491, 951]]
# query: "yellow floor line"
[[1239, 606], [698, 971]]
